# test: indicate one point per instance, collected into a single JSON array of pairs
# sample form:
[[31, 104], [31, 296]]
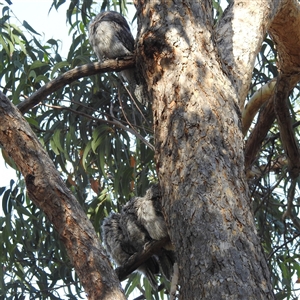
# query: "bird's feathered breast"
[[110, 36]]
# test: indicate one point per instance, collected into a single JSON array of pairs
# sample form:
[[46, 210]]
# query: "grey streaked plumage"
[[140, 221], [143, 221], [150, 216], [137, 236], [120, 248], [114, 239], [110, 37], [166, 260], [149, 213], [132, 228]]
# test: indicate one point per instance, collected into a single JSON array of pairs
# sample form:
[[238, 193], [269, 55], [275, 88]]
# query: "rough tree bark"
[[286, 36], [197, 86]]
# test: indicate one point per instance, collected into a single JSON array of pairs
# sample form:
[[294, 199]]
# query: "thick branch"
[[72, 75], [266, 119], [48, 191], [287, 135], [286, 36], [258, 134], [239, 37], [254, 104]]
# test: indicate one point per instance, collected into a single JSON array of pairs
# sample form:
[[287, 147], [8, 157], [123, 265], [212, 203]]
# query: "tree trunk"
[[199, 155]]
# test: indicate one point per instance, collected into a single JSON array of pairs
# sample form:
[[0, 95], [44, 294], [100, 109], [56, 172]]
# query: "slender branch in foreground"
[[74, 74], [111, 65]]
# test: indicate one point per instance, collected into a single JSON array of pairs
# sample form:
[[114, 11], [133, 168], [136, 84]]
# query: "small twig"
[[115, 122], [132, 99], [124, 114], [86, 115], [132, 130], [269, 193], [281, 246]]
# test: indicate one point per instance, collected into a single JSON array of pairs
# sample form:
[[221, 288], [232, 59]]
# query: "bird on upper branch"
[[111, 38]]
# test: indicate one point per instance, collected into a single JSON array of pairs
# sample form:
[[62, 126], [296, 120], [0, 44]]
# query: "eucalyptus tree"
[[86, 146]]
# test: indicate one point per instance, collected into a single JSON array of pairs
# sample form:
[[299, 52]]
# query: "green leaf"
[[37, 64], [5, 202], [58, 66], [85, 154], [132, 283], [54, 147], [2, 189], [27, 26], [57, 140], [98, 135], [148, 289]]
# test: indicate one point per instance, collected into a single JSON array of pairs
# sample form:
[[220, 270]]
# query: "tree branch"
[[139, 258], [287, 135], [286, 36], [111, 65], [266, 119], [258, 134], [254, 104], [239, 39], [48, 191]]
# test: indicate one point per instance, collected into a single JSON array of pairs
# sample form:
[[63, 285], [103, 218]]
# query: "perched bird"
[[137, 236], [149, 213], [120, 248], [110, 37], [150, 216], [142, 221], [114, 239]]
